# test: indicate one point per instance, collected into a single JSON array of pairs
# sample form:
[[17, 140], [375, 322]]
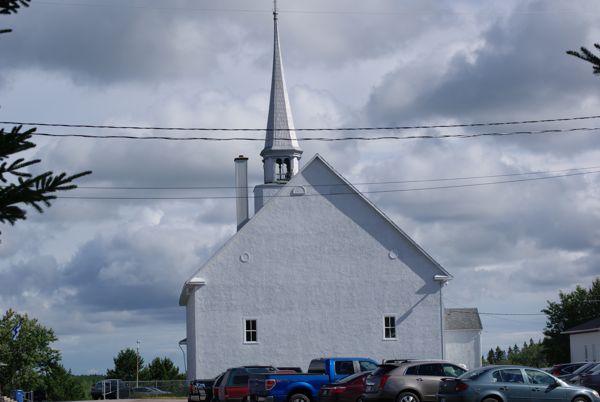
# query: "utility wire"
[[330, 139], [338, 184], [422, 126], [336, 193]]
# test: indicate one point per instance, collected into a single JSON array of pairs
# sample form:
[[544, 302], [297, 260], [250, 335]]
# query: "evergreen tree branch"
[[11, 7], [588, 56]]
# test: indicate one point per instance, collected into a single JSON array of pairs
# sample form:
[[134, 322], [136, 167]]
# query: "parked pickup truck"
[[304, 387], [201, 390]]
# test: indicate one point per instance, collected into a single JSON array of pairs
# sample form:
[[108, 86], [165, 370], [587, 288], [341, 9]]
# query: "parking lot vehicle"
[[408, 380], [234, 383], [147, 391], [348, 389], [201, 390], [591, 379], [304, 387], [575, 376], [565, 368], [110, 389], [511, 384]]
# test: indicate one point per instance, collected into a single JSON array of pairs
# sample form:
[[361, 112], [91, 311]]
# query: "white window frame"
[[246, 331], [386, 327]]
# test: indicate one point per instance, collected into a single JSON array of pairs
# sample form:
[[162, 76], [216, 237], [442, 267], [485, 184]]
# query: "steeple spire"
[[282, 151]]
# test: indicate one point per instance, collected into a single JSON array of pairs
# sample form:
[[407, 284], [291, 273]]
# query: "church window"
[[284, 171], [250, 332], [389, 327]]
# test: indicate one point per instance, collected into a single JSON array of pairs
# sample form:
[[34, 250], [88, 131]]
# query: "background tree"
[[25, 352], [588, 56], [25, 189], [491, 357], [499, 355], [62, 385], [125, 365], [161, 369], [574, 308]]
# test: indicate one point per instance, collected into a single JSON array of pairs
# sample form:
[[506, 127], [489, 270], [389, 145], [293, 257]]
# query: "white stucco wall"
[[463, 347], [321, 273], [585, 347]]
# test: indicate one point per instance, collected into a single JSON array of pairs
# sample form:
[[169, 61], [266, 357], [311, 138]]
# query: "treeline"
[[130, 367], [530, 354]]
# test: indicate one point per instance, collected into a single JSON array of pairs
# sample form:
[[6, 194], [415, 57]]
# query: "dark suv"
[[408, 380], [110, 389]]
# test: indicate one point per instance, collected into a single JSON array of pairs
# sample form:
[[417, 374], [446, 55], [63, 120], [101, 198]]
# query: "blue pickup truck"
[[304, 387]]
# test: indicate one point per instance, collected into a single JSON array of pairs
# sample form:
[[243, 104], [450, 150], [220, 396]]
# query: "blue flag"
[[15, 331]]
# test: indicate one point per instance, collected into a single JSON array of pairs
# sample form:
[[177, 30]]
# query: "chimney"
[[241, 190]]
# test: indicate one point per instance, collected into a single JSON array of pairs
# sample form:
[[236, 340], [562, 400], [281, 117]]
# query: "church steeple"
[[282, 151]]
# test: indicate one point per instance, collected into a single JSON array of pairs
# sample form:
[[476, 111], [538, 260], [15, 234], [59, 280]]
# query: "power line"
[[367, 128], [355, 184], [337, 193], [265, 11], [511, 314], [330, 139]]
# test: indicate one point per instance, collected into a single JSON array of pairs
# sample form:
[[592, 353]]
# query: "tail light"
[[190, 388], [270, 383], [383, 380], [461, 386], [337, 390]]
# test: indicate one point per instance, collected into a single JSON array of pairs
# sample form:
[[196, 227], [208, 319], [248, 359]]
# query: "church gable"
[[317, 222]]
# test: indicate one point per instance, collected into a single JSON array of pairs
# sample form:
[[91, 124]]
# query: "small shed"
[[584, 341], [462, 335]]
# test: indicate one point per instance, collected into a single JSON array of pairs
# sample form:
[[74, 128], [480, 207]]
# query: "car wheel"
[[408, 397], [580, 399], [360, 399], [490, 399], [299, 398]]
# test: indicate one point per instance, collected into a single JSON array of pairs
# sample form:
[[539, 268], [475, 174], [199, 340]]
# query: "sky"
[[105, 273]]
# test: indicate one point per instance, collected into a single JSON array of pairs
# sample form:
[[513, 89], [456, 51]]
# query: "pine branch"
[[588, 56], [34, 191], [11, 6]]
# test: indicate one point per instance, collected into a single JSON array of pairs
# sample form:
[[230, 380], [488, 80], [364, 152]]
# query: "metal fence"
[[158, 388]]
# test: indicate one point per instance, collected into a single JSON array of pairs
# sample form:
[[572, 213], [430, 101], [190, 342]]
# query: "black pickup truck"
[[201, 390]]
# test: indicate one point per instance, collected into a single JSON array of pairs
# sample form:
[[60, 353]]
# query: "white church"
[[317, 271]]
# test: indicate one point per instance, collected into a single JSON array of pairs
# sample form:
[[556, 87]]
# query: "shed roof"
[[589, 326], [462, 319]]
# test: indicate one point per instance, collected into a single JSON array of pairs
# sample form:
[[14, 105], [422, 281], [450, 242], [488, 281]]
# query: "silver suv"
[[408, 380]]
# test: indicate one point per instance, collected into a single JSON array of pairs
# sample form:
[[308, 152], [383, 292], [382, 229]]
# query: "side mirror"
[[555, 384]]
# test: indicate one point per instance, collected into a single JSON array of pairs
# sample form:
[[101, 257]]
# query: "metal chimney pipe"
[[241, 190]]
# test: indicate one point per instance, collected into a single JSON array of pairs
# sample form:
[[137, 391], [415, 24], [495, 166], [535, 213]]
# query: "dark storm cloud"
[[124, 273], [111, 41], [520, 69]]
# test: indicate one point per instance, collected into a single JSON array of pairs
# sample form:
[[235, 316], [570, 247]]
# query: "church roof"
[[462, 319], [281, 134]]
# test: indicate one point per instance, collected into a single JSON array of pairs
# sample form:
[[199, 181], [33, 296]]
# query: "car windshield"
[[586, 367], [473, 374]]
